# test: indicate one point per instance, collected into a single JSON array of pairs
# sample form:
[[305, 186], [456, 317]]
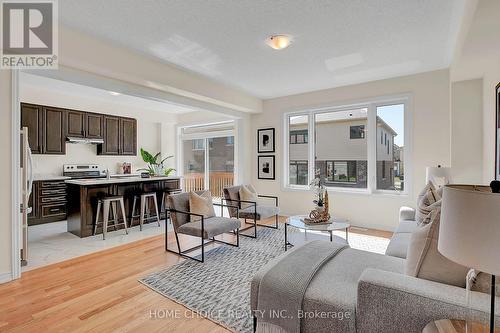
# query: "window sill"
[[380, 193]]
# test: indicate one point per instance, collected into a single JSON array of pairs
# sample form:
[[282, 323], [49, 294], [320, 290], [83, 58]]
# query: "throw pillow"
[[201, 204], [429, 200], [247, 193], [424, 260]]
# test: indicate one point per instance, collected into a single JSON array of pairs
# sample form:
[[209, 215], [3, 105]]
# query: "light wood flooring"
[[99, 292]]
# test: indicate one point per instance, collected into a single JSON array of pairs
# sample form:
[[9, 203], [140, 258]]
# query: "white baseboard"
[[5, 277]]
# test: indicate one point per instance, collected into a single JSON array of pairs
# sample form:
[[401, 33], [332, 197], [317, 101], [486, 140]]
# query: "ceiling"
[[77, 90], [336, 42]]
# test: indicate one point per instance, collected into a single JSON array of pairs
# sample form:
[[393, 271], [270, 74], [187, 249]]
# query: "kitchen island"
[[83, 195]]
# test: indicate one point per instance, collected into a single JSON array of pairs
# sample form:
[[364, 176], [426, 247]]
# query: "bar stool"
[[108, 203], [145, 209]]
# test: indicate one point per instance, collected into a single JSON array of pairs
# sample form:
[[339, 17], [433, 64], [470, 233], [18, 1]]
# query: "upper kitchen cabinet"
[[31, 117], [120, 136], [76, 123], [45, 128], [111, 145], [128, 135], [94, 127], [54, 140]]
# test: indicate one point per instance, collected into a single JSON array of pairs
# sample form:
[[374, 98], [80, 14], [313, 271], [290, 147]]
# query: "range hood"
[[73, 139]]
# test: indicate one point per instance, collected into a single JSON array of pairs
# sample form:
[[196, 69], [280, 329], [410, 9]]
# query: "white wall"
[[148, 131], [430, 143], [466, 131], [5, 176]]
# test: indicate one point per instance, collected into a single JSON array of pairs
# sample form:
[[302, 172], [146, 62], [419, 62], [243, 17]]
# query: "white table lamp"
[[469, 232]]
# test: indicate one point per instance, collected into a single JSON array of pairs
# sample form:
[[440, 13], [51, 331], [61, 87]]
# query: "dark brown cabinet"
[[49, 126], [120, 136], [94, 126], [48, 202], [31, 117], [54, 140], [128, 129], [111, 145], [76, 123]]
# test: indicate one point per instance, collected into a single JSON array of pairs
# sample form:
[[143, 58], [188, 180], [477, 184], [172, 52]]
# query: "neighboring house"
[[341, 152]]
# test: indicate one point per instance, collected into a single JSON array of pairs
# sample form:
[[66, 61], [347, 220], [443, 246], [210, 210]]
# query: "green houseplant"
[[155, 165]]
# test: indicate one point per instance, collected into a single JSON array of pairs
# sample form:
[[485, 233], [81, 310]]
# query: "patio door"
[[208, 164]]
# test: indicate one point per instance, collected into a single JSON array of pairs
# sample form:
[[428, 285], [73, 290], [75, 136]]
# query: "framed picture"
[[497, 133], [265, 140], [266, 167]]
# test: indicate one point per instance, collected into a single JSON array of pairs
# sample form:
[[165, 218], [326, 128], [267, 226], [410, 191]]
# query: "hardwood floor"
[[99, 293]]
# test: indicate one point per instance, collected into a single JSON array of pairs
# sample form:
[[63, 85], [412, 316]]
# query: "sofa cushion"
[[429, 200], [213, 226], [263, 212], [424, 260], [201, 204], [398, 246], [334, 288]]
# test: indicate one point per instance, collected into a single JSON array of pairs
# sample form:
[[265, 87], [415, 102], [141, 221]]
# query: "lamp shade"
[[439, 176], [469, 232]]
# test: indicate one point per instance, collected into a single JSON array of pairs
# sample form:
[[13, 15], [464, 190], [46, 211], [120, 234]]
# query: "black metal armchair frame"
[[203, 242], [255, 224]]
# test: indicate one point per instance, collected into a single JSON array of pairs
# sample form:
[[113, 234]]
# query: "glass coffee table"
[[313, 232]]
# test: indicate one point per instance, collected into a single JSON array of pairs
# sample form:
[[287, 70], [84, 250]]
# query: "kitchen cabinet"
[[94, 127], [111, 145], [128, 134], [31, 117], [48, 202], [120, 136], [49, 126], [76, 123], [53, 133]]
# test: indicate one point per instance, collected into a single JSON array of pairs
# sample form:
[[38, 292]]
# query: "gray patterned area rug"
[[219, 289]]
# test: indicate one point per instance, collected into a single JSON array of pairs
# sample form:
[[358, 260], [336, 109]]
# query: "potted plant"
[[155, 166], [319, 189]]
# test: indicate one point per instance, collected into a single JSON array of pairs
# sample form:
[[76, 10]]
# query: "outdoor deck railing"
[[217, 182]]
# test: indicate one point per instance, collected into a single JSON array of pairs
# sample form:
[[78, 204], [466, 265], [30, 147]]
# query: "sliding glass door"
[[208, 163]]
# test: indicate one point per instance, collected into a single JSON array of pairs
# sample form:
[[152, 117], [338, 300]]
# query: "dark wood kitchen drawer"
[[53, 192], [52, 184], [53, 211], [58, 199]]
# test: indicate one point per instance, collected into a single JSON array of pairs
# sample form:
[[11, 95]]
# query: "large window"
[[358, 148], [340, 160], [390, 156], [298, 166]]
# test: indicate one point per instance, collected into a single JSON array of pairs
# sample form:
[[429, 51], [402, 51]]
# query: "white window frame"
[[370, 136]]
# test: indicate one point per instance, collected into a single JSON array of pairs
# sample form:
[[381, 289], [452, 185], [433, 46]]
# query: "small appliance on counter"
[[145, 175]]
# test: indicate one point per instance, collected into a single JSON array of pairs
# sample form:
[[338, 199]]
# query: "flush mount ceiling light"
[[114, 93], [279, 42]]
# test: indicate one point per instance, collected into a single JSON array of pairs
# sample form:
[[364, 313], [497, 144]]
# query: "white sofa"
[[375, 290]]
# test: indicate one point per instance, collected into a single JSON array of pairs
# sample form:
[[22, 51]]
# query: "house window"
[[230, 141], [198, 144], [390, 119], [357, 132], [341, 171], [298, 150], [341, 160], [298, 172], [298, 137], [335, 154]]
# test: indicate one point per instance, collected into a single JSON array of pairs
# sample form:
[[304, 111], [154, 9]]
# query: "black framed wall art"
[[265, 140], [265, 167]]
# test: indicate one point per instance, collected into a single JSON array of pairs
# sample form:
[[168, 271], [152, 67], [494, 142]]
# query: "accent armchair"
[[204, 227], [254, 211]]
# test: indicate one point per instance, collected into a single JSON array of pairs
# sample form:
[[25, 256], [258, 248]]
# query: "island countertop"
[[117, 180]]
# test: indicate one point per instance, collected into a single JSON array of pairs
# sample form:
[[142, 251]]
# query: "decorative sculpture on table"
[[321, 214]]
